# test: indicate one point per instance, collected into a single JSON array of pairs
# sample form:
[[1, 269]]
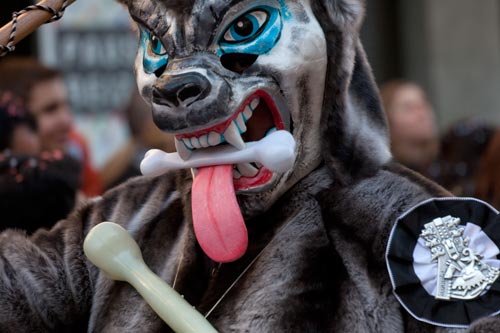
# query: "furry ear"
[[346, 13], [354, 128]]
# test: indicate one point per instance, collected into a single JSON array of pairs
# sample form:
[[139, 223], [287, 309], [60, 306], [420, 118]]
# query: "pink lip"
[[244, 183], [221, 127]]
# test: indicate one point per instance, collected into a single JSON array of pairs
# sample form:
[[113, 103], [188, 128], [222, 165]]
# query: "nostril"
[[162, 96], [189, 91], [182, 89]]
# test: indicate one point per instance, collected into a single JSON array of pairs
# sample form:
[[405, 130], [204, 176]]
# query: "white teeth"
[[247, 113], [187, 142], [247, 170], [182, 150], [233, 136], [194, 172], [236, 174], [204, 140], [241, 123], [195, 142], [214, 139], [254, 103]]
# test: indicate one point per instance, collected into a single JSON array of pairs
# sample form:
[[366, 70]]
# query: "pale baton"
[[110, 248]]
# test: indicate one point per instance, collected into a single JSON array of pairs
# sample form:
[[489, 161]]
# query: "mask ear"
[[354, 129]]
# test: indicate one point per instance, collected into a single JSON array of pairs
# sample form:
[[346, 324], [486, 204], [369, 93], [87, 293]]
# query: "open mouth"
[[224, 160], [256, 118]]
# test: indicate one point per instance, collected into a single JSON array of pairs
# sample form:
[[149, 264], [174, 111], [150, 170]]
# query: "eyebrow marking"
[[214, 14], [158, 32], [140, 21], [219, 16]]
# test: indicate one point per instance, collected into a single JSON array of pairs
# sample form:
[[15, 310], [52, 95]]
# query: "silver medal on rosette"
[[443, 258]]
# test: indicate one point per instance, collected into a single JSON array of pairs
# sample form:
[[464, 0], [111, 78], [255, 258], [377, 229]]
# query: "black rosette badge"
[[443, 258]]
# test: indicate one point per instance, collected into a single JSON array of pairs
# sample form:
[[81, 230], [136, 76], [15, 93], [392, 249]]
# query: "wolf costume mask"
[[316, 234], [236, 75]]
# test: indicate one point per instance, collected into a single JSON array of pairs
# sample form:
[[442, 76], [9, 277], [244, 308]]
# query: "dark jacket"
[[36, 193]]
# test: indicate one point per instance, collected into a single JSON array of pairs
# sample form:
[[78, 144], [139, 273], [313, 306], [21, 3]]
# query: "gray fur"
[[321, 267]]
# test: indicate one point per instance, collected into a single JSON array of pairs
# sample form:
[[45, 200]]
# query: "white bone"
[[110, 248], [275, 151]]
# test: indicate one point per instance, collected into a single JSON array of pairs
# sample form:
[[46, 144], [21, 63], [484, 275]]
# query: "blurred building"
[[450, 47]]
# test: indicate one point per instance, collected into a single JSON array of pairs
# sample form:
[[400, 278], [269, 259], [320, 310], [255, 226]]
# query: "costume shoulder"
[[367, 208], [46, 282]]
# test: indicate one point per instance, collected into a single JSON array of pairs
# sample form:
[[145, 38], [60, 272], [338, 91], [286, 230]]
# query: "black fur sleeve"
[[44, 280]]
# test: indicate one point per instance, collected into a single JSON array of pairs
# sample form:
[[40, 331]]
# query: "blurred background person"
[[413, 130], [43, 91], [36, 189], [144, 135], [488, 176], [18, 129], [462, 148]]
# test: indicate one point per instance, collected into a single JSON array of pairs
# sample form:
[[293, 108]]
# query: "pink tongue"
[[218, 223]]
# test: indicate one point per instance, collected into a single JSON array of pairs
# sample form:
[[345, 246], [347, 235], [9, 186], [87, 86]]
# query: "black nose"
[[181, 89]]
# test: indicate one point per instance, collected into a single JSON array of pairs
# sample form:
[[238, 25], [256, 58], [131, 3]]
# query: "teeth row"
[[232, 135], [203, 141], [244, 170]]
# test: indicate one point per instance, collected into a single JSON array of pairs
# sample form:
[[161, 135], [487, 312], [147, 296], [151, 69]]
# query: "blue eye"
[[154, 53], [255, 32], [246, 27]]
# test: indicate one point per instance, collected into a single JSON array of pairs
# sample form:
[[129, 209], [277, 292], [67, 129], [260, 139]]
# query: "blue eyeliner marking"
[[152, 62]]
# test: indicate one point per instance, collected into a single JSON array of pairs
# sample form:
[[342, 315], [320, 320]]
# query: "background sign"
[[94, 45], [97, 66]]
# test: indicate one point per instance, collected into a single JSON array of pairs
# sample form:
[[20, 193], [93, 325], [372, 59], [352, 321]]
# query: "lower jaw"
[[261, 179]]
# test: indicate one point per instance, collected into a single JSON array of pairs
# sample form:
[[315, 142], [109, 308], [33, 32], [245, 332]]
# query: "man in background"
[[412, 124], [37, 189]]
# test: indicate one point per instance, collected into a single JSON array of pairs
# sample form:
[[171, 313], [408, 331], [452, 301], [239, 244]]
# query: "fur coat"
[[314, 264]]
